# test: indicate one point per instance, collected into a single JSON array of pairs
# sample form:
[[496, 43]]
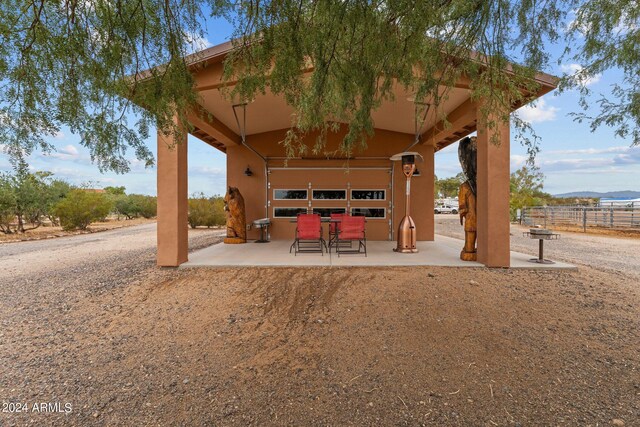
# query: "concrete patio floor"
[[444, 251]]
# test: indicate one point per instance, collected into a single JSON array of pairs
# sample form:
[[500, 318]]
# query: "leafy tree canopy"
[[526, 189], [71, 62], [115, 190], [449, 187]]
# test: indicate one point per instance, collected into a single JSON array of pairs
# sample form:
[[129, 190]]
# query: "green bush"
[[147, 205], [125, 206], [8, 204], [28, 198], [135, 205], [80, 208], [206, 212]]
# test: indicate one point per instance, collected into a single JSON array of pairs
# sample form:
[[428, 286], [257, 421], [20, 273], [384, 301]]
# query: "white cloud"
[[630, 157], [59, 135], [578, 73], [619, 149], [538, 112], [623, 156], [68, 152], [71, 150], [625, 24], [573, 164], [207, 171], [197, 42], [517, 161]]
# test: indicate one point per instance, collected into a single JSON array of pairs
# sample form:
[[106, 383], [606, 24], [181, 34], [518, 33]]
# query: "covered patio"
[[277, 187], [442, 251]]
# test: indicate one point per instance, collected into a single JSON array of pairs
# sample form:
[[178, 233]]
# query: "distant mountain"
[[595, 194]]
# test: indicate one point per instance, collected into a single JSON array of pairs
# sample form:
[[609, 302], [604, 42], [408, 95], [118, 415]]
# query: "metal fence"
[[617, 217]]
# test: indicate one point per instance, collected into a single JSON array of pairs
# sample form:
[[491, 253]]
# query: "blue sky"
[[572, 158]]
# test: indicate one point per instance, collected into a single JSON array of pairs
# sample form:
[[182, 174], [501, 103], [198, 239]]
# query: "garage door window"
[[288, 212], [326, 212], [368, 194], [329, 194], [290, 194], [378, 213]]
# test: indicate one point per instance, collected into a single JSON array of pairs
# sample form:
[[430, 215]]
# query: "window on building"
[[369, 212], [368, 194], [290, 194], [329, 194], [288, 212], [326, 212]]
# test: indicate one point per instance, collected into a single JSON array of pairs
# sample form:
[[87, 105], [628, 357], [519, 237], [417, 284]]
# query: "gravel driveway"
[[42, 283], [89, 321], [611, 253], [131, 248], [59, 269]]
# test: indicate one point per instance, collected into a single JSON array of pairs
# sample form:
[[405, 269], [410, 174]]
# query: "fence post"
[[584, 220], [611, 218]]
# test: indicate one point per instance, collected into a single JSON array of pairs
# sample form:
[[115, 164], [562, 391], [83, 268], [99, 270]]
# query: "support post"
[[173, 242], [427, 231], [493, 192]]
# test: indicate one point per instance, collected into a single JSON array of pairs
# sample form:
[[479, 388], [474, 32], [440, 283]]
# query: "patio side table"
[[541, 234]]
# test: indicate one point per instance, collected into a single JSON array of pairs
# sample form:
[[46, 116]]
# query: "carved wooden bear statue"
[[236, 219]]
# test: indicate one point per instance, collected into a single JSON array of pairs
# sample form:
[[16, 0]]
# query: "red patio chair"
[[308, 234], [352, 229]]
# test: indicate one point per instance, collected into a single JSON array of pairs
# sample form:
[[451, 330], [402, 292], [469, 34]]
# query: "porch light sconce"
[[407, 236], [248, 171]]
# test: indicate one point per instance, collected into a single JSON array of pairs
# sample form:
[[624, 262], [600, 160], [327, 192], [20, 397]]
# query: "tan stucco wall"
[[382, 145]]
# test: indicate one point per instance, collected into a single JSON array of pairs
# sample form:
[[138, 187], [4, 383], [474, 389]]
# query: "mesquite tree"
[[77, 63]]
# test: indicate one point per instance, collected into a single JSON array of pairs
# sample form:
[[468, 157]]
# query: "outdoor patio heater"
[[407, 228]]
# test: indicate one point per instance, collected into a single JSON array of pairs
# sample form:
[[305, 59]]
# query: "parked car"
[[446, 209]]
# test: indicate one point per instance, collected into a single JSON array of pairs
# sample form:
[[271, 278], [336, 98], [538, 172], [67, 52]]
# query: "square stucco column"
[[493, 193], [427, 170], [173, 243]]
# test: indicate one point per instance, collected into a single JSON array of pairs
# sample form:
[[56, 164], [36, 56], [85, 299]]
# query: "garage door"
[[359, 191]]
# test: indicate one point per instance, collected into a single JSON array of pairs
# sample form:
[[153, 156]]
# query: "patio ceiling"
[[269, 112], [215, 122]]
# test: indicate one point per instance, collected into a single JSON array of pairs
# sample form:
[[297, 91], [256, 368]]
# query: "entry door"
[[359, 191]]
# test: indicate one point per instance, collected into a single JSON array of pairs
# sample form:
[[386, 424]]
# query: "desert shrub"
[[8, 204], [56, 190], [147, 205], [27, 198], [116, 191], [206, 212], [80, 208], [126, 206], [219, 216], [135, 205]]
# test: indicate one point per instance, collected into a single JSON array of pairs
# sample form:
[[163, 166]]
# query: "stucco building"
[[367, 183]]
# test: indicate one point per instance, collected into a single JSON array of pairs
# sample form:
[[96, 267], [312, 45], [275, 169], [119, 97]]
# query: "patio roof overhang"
[[214, 121]]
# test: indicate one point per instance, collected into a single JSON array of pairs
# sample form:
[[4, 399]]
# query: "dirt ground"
[[326, 346], [48, 232], [601, 231], [616, 253]]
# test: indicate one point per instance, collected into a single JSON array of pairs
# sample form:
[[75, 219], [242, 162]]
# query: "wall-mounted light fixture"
[[248, 171]]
